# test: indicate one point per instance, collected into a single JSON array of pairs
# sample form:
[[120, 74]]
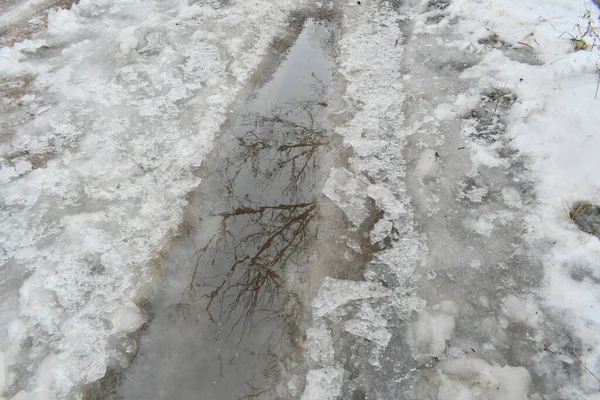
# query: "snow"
[[126, 100], [551, 124], [324, 384], [473, 378], [491, 177], [435, 327], [473, 132], [20, 10]]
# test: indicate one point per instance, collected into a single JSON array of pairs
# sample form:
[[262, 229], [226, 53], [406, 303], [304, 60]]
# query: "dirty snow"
[[98, 153], [496, 142]]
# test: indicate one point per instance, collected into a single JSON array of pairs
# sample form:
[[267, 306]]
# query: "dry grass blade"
[[584, 216], [598, 83], [526, 44], [497, 97], [580, 210]]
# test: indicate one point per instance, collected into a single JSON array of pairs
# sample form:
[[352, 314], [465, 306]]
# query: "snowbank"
[[109, 113], [529, 58]]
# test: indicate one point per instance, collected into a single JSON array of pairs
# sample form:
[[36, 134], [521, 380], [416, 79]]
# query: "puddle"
[[227, 316]]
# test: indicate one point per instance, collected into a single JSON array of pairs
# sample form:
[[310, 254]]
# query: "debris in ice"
[[324, 384], [335, 293], [347, 191], [319, 346], [472, 192], [473, 378], [587, 217], [428, 165]]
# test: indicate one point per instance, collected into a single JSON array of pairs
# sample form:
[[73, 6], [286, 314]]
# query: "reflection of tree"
[[276, 146], [283, 231], [254, 242]]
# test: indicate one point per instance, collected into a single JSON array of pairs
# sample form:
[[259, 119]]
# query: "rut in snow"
[[226, 318]]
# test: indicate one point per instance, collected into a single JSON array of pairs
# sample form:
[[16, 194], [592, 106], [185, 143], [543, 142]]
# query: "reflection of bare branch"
[[320, 86], [258, 236], [261, 210], [290, 147], [259, 282], [255, 392], [254, 280], [270, 371], [310, 145]]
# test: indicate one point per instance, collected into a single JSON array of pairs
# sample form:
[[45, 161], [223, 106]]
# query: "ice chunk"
[[369, 325], [22, 395], [293, 385], [382, 229], [444, 111], [354, 245], [335, 293], [386, 201], [485, 156], [128, 39], [324, 384], [7, 172], [400, 259], [472, 193], [319, 346], [348, 192]]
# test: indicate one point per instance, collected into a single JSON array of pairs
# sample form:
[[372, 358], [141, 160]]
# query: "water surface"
[[226, 318]]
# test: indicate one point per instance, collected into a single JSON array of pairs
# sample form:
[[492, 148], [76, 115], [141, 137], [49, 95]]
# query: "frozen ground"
[[466, 210]]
